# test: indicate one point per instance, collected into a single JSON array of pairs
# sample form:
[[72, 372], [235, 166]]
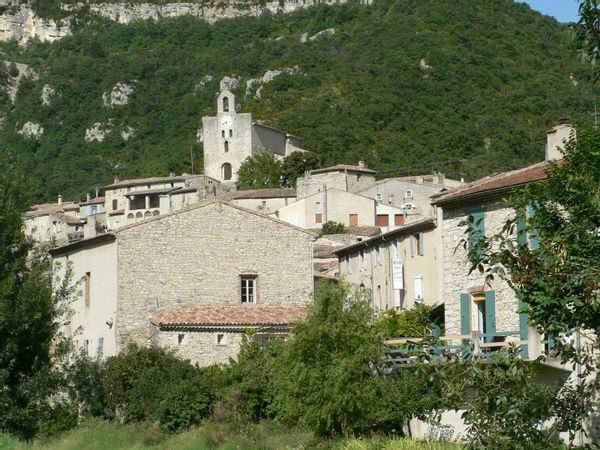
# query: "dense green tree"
[[259, 172], [588, 34], [325, 374], [296, 164], [32, 314], [332, 227]]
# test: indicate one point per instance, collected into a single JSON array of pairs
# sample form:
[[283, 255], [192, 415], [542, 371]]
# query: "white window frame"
[[408, 193], [248, 286]]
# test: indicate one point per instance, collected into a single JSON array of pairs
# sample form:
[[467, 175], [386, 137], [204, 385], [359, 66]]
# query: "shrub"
[[86, 382], [414, 322], [331, 227]]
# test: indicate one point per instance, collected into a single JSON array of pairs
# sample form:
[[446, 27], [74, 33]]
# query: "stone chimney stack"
[[362, 164], [60, 199], [556, 138]]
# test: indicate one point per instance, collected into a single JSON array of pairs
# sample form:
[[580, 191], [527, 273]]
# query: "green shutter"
[[490, 313], [521, 228], [421, 244], [534, 243], [464, 314], [523, 328]]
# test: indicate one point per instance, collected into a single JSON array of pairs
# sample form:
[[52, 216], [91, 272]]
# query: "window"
[[230, 133], [362, 260], [86, 347], [476, 233], [417, 245], [399, 220], [225, 104], [100, 348], [180, 338], [480, 312], [248, 288], [348, 265], [408, 194], [353, 220], [226, 172], [419, 289], [226, 146], [358, 176], [382, 220], [87, 279], [318, 218], [378, 197], [221, 339], [154, 201], [263, 204], [222, 133], [115, 204], [379, 300], [378, 255]]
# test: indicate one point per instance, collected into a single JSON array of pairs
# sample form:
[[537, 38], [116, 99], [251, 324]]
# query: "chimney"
[[362, 164], [556, 137], [89, 197], [172, 175], [60, 198], [117, 180], [97, 191]]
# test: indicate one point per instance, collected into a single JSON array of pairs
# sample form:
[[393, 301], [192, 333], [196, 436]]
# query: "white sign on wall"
[[397, 274]]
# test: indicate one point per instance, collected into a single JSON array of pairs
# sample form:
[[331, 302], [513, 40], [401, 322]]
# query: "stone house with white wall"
[[265, 201], [59, 222], [232, 136], [399, 269], [223, 262]]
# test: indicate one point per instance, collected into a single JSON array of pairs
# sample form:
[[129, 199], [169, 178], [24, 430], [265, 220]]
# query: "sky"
[[563, 10]]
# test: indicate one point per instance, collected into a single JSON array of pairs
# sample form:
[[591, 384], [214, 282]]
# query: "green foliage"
[[413, 322], [332, 227], [32, 347], [324, 376], [153, 384], [86, 382], [588, 34], [296, 164], [259, 172], [359, 94]]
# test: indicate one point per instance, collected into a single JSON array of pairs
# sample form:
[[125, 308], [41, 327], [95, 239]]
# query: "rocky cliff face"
[[21, 23]]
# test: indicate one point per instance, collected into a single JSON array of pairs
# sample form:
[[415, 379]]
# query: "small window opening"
[[222, 133], [230, 133], [226, 146], [87, 279], [114, 204], [221, 339], [180, 338], [226, 104]]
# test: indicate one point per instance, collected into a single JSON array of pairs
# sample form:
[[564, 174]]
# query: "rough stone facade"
[[201, 346], [457, 279], [196, 257], [343, 180]]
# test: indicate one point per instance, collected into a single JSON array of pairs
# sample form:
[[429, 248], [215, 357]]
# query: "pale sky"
[[563, 10]]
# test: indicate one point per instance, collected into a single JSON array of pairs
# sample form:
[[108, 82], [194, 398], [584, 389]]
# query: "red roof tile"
[[231, 315], [500, 181]]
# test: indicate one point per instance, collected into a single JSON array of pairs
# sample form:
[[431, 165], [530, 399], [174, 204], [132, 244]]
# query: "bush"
[[414, 322], [153, 384], [325, 373], [86, 383], [331, 227]]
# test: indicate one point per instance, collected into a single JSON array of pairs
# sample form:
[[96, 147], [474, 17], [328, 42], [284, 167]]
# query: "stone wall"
[[352, 182], [456, 267], [195, 257], [201, 346]]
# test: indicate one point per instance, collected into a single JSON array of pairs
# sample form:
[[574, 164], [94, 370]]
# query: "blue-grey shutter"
[[421, 244], [521, 228], [523, 330], [412, 246], [534, 243], [490, 314], [465, 327]]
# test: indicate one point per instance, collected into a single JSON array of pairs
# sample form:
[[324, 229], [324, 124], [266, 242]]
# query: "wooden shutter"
[[382, 220], [353, 220], [465, 326], [421, 244], [399, 220], [534, 243], [318, 218], [490, 313]]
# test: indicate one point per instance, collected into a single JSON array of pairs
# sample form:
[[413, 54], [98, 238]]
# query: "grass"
[[211, 436]]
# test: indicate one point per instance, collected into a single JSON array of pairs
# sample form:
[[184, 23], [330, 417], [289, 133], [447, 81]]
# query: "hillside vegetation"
[[468, 87]]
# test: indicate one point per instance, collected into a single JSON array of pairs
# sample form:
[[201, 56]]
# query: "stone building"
[[232, 136], [59, 222], [130, 201], [411, 194], [209, 257], [342, 177], [265, 201], [398, 269], [471, 305]]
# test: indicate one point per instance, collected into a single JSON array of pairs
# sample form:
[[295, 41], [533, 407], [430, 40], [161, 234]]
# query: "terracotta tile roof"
[[340, 167], [240, 315], [498, 182], [70, 220], [151, 180], [43, 209], [94, 201], [263, 193]]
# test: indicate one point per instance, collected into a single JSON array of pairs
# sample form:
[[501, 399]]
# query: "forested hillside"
[[468, 87]]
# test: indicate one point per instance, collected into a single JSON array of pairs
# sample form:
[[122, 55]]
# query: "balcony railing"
[[448, 348]]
